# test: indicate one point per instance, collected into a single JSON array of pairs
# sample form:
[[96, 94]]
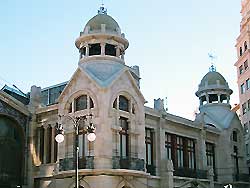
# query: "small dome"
[[96, 22], [213, 78]]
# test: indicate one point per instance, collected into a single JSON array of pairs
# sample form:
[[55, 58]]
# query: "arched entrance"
[[11, 152]]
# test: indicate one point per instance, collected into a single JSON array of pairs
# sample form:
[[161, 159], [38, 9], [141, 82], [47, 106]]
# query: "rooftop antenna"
[[212, 57], [102, 9]]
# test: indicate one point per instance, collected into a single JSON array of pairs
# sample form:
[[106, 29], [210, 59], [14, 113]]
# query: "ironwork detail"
[[84, 163], [128, 163]]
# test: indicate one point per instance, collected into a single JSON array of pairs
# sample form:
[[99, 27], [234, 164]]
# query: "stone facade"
[[135, 146], [243, 74]]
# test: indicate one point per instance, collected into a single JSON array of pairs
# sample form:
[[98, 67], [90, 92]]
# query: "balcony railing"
[[128, 163], [191, 173], [69, 163], [151, 169], [241, 177]]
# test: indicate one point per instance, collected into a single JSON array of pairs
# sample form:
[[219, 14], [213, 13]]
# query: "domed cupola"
[[213, 89], [102, 39]]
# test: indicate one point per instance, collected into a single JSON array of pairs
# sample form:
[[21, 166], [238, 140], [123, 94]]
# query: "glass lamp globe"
[[91, 137], [59, 138]]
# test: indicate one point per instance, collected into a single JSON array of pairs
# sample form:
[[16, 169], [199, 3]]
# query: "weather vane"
[[212, 57], [102, 9]]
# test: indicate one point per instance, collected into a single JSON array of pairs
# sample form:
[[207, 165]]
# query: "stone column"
[[207, 98], [117, 51], [167, 176], [103, 48], [87, 50]]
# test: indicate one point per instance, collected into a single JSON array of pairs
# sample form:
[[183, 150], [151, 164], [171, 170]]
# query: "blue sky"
[[169, 40]]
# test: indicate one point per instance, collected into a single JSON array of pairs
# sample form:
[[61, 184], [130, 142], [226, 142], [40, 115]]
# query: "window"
[[248, 83], [70, 108], [241, 69], [95, 49], [81, 103], [246, 65], [247, 149], [235, 136], [110, 50], [82, 146], [180, 150], [149, 146], [210, 153], [55, 147], [124, 149], [40, 132], [242, 88], [244, 108], [123, 103], [115, 103], [245, 126], [240, 51], [48, 144], [245, 45], [168, 145], [191, 154]]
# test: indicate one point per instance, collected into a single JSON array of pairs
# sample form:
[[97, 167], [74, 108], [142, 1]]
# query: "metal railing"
[[241, 177], [84, 163], [191, 173], [128, 163]]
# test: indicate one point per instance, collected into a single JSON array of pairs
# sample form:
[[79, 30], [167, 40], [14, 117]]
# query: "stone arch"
[[12, 143], [82, 183], [78, 94], [125, 94], [125, 184]]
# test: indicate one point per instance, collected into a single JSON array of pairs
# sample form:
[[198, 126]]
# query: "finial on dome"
[[102, 9], [212, 68]]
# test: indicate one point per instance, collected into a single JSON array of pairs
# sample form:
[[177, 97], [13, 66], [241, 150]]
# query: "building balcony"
[[69, 163], [128, 163], [241, 177], [190, 173]]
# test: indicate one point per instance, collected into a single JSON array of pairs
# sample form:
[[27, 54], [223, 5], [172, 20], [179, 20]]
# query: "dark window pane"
[[123, 103], [81, 103]]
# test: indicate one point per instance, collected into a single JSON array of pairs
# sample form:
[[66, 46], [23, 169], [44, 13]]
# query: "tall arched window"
[[240, 51], [245, 45]]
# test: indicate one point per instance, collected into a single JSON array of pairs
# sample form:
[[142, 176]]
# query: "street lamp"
[[90, 129]]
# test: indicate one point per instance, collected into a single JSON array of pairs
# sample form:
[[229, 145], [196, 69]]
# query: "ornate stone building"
[[135, 146], [243, 74]]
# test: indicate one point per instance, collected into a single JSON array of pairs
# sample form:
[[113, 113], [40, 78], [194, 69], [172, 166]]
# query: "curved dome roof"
[[95, 23], [213, 78]]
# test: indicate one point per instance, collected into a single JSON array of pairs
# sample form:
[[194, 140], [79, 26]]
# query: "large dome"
[[213, 78], [96, 22]]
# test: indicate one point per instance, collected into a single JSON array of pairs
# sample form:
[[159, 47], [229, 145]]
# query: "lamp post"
[[90, 129]]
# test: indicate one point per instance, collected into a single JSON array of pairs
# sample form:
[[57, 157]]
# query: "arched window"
[[245, 45], [81, 103], [123, 103], [240, 51]]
